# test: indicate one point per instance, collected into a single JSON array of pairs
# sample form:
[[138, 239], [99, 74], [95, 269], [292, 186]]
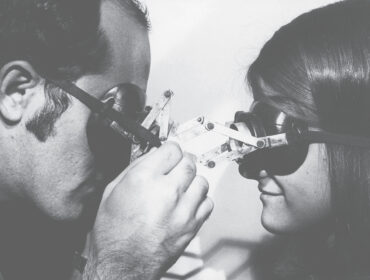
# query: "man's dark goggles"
[[120, 110], [264, 120]]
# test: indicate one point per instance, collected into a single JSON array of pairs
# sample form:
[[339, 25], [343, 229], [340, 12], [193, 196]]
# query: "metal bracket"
[[237, 145], [158, 120]]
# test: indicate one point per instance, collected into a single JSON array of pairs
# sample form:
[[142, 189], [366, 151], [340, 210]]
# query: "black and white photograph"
[[184, 140]]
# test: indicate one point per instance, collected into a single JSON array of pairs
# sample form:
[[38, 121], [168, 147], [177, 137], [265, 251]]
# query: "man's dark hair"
[[61, 39]]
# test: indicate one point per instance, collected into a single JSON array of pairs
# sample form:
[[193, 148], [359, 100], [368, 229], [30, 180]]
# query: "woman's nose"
[[263, 174]]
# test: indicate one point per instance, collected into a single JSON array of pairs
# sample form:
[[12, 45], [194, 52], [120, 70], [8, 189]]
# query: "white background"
[[201, 49]]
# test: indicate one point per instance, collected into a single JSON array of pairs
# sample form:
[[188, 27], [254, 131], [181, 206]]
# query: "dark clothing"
[[34, 247]]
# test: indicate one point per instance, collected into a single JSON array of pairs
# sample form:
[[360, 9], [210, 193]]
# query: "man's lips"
[[92, 183]]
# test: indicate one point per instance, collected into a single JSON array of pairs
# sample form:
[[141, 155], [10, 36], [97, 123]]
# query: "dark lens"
[[128, 99], [279, 161], [264, 120], [286, 160], [252, 164]]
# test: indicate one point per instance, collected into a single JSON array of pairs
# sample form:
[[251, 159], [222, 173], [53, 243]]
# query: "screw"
[[260, 144], [200, 119], [148, 109], [135, 140], [211, 164], [168, 94], [240, 150], [210, 126]]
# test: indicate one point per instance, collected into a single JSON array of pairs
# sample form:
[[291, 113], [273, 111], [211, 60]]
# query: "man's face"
[[59, 175]]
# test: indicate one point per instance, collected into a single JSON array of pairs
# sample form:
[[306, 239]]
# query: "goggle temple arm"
[[316, 136], [309, 135]]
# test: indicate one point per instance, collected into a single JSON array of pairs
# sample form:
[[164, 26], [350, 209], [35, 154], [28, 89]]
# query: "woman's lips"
[[271, 194], [266, 190]]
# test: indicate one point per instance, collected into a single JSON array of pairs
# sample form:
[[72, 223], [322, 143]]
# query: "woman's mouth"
[[271, 194], [270, 190], [267, 195]]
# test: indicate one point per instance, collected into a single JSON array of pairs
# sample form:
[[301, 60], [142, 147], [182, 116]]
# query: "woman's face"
[[298, 201]]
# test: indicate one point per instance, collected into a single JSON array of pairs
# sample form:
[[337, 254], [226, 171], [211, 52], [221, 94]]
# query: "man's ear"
[[17, 79]]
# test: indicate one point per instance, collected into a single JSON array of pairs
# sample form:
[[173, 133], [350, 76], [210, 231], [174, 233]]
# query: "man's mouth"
[[93, 183]]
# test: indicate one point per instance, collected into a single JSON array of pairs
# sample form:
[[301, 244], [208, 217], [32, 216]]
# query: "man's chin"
[[72, 207], [63, 213], [71, 211]]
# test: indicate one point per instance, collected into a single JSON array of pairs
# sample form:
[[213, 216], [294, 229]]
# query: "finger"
[[164, 159], [204, 210], [195, 194], [142, 158], [184, 173], [114, 183]]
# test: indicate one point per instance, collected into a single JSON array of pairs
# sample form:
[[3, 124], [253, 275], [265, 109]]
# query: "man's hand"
[[148, 216]]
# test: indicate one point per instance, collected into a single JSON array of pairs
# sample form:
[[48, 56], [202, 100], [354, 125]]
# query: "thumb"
[[164, 159], [110, 187]]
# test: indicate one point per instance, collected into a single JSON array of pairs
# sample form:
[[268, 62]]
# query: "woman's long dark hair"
[[317, 68]]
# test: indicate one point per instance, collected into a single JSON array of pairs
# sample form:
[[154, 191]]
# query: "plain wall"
[[201, 49]]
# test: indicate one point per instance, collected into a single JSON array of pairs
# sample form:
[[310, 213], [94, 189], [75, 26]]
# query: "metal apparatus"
[[239, 143]]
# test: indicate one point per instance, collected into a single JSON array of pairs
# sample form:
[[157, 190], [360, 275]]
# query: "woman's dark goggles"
[[265, 120]]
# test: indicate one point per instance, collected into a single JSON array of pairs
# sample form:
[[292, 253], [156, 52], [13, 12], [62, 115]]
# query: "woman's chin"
[[279, 224]]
